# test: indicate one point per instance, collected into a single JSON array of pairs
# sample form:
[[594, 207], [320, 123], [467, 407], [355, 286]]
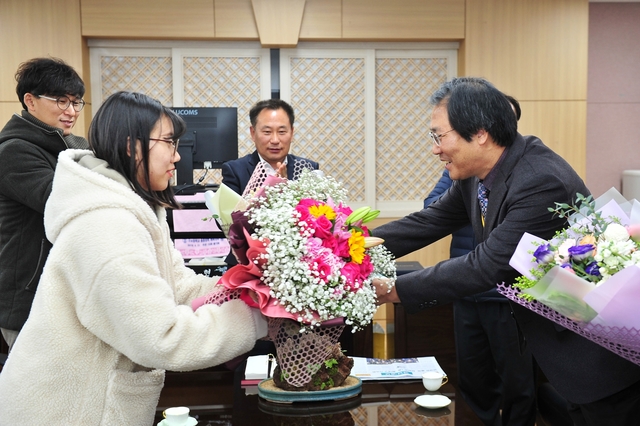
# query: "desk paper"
[[393, 369]]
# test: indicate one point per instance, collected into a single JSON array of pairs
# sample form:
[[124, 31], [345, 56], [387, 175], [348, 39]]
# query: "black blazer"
[[530, 179], [236, 173]]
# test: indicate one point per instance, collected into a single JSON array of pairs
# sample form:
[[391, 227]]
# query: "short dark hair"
[[516, 106], [125, 117], [47, 76], [272, 104], [474, 104]]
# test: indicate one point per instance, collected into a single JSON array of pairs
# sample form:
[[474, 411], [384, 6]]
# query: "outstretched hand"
[[385, 291]]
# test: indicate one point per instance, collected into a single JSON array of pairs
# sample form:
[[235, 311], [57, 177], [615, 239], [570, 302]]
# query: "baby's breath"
[[292, 280]]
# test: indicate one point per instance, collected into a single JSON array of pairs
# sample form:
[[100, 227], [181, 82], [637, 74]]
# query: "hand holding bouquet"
[[308, 257]]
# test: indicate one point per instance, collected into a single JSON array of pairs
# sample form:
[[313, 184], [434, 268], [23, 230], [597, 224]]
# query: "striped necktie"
[[483, 198]]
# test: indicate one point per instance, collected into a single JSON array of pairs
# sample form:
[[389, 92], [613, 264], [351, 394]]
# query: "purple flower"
[[236, 237], [593, 269], [543, 254], [568, 267], [581, 252]]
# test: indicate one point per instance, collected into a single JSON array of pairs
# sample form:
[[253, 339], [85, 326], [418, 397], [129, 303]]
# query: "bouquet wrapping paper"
[[306, 260], [604, 306]]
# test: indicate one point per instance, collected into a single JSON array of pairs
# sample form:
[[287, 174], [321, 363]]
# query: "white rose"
[[616, 232], [562, 254]]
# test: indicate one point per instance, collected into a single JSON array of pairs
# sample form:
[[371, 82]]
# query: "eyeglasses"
[[64, 102], [436, 138], [174, 143]]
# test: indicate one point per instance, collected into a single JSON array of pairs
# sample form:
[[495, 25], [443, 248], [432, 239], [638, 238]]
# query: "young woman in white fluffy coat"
[[112, 310]]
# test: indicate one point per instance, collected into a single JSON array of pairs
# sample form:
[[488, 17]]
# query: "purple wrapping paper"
[[622, 341]]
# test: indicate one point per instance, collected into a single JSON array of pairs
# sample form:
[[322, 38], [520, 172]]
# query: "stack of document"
[[393, 369], [260, 367]]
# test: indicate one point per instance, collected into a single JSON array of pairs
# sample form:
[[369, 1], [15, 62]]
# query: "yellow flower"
[[356, 246], [322, 210]]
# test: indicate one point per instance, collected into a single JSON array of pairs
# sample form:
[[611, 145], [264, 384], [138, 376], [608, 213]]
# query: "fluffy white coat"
[[112, 310]]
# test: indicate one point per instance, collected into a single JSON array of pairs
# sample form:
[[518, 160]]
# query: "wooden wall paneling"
[[234, 20], [87, 111], [562, 126], [322, 20], [32, 28], [532, 49], [278, 21], [406, 20], [156, 19], [427, 256]]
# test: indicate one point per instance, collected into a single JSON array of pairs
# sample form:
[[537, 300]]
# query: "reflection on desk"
[[224, 401]]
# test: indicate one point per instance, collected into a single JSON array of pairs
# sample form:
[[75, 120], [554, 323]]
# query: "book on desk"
[[260, 367]]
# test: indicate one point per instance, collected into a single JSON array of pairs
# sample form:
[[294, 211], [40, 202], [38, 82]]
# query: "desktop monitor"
[[210, 140]]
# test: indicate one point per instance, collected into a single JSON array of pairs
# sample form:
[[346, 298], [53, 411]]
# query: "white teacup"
[[176, 416], [432, 380]]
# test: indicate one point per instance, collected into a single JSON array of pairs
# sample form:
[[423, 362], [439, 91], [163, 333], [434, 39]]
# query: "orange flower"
[[589, 239]]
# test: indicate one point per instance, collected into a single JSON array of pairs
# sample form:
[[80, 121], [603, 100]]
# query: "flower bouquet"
[[586, 278], [310, 261]]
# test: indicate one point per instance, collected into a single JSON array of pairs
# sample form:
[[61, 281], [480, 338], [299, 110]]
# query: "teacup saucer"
[[190, 422], [432, 401]]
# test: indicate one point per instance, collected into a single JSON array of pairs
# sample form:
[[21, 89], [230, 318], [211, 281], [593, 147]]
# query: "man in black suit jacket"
[[474, 132], [271, 131]]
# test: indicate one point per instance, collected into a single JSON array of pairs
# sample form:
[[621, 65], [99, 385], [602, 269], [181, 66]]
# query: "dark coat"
[[530, 179], [236, 173], [29, 152], [463, 240]]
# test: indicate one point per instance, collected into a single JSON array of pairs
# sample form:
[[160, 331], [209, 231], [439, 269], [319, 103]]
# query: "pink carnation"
[[342, 244], [357, 274]]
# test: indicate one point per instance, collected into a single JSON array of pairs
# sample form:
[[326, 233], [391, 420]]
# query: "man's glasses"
[[174, 143], [63, 102], [436, 138]]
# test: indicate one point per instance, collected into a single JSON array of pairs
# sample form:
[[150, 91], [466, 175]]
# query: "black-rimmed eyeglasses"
[[174, 143], [436, 138], [63, 102]]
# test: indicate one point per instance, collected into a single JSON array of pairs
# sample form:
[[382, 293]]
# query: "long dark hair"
[[122, 120]]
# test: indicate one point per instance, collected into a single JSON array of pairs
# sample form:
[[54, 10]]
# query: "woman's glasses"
[[174, 143]]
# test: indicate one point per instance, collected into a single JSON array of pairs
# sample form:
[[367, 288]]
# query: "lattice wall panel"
[[405, 167], [149, 75], [328, 96], [223, 82]]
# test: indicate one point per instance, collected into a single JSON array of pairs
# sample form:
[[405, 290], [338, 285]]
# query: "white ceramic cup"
[[176, 416], [432, 380]]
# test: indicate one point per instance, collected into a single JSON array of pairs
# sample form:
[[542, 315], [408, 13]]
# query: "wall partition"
[[362, 109]]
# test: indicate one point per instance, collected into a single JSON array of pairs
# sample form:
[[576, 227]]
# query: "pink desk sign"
[[195, 248]]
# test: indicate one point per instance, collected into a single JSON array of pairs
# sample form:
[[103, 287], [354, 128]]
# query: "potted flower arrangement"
[[587, 277], [310, 260]]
